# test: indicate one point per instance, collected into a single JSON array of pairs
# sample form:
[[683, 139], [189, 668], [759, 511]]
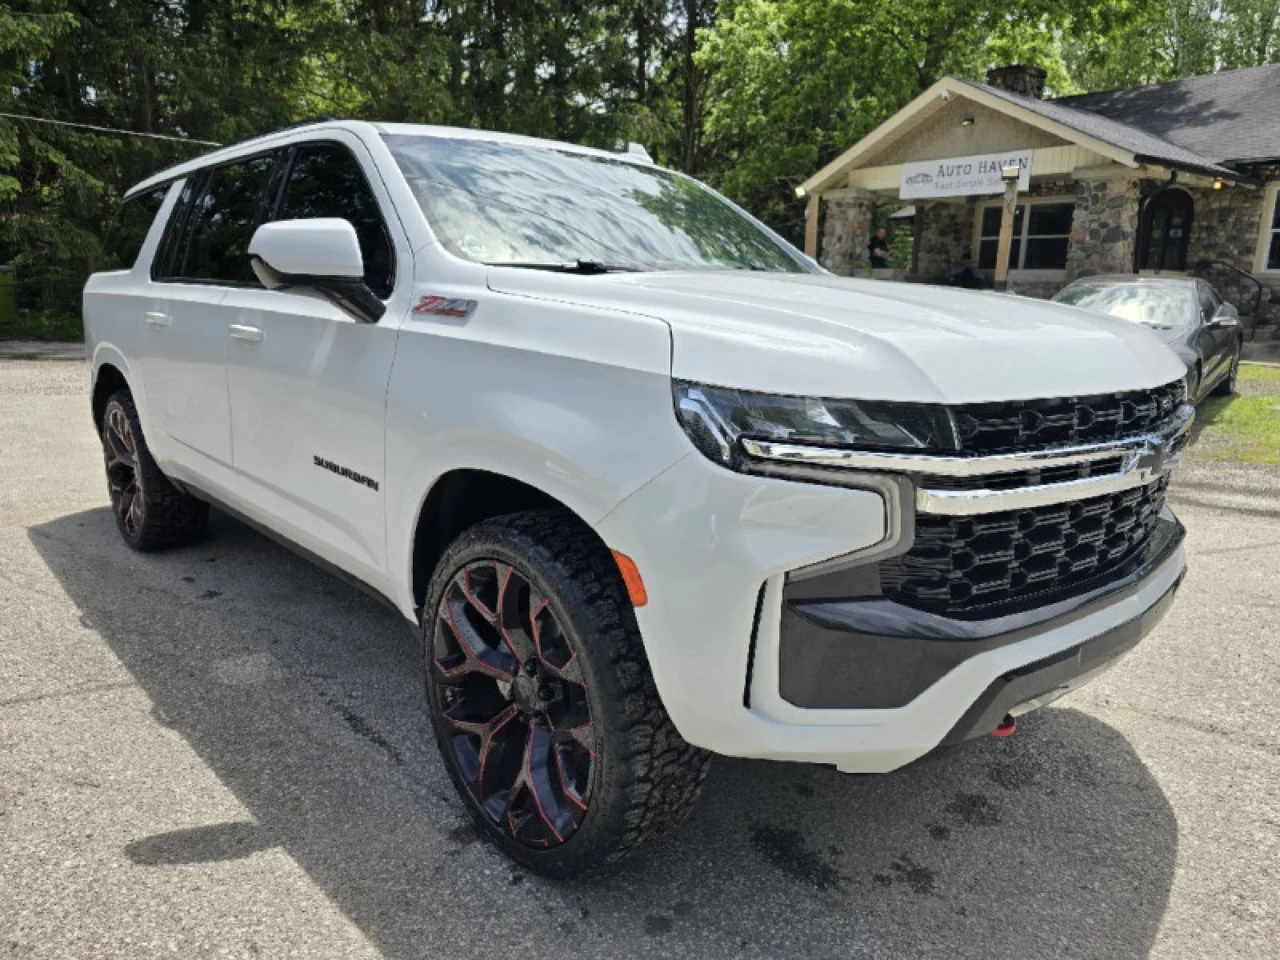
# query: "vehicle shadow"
[[1207, 414], [303, 696]]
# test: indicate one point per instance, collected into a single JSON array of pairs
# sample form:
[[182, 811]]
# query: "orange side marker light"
[[631, 577]]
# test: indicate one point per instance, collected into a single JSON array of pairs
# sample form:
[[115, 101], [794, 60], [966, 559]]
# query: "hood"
[[832, 336], [1170, 335]]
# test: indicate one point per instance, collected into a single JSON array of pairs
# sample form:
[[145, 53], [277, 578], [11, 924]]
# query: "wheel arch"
[[108, 379], [458, 500]]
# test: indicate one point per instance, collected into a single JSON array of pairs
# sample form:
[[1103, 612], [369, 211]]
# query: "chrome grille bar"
[[1146, 458]]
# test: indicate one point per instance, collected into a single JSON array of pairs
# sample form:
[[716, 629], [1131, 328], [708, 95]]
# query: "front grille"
[[1009, 426], [968, 565], [1032, 477]]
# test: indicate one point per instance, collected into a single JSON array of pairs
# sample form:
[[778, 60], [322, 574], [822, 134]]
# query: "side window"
[[1208, 302], [223, 219], [162, 265], [326, 181], [128, 231]]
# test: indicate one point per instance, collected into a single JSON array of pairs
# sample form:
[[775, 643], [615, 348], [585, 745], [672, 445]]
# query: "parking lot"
[[222, 751]]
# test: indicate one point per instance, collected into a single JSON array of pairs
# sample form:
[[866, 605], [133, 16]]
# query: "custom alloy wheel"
[[150, 511], [542, 700], [512, 691], [123, 483]]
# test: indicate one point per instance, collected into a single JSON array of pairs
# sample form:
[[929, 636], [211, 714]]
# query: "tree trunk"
[[689, 146]]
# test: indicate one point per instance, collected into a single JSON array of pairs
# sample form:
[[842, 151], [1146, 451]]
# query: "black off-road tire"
[[1227, 385], [643, 777], [157, 515]]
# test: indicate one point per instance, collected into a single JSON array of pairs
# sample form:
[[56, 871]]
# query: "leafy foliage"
[[752, 95]]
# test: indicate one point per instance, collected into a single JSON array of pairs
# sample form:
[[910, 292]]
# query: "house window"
[[1041, 231]]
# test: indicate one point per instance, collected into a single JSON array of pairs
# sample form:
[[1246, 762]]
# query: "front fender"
[[587, 422]]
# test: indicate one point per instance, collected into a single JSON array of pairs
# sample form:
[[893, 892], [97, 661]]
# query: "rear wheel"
[[542, 700], [151, 513]]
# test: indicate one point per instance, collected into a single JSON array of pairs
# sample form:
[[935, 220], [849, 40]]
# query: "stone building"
[[1170, 178]]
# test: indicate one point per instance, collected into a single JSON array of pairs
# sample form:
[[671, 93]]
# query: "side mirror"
[[1225, 316], [323, 254]]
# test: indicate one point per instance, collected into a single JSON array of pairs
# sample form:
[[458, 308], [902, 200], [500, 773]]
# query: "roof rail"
[[288, 126]]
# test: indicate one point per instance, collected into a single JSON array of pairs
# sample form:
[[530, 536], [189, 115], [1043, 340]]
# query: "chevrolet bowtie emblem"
[[1149, 458]]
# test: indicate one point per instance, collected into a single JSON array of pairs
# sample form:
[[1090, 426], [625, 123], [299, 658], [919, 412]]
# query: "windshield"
[[494, 202], [1162, 307]]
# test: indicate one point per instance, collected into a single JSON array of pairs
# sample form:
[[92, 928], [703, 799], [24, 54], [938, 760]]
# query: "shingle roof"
[[1127, 136], [1227, 116]]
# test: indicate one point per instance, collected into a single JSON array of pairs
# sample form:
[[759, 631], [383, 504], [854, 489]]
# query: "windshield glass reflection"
[[1164, 308], [494, 202]]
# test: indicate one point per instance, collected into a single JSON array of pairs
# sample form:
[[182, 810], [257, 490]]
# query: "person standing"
[[878, 249]]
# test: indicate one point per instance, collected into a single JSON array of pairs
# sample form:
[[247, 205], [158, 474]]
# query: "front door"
[[1219, 341], [308, 382], [1166, 229]]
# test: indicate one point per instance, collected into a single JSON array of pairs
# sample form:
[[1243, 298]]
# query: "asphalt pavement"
[[222, 752]]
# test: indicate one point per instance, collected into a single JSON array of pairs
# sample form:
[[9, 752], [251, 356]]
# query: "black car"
[[1202, 328]]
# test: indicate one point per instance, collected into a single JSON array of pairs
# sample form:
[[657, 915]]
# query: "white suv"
[[653, 485]]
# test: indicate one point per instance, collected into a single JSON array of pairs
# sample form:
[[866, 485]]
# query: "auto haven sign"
[[962, 176]]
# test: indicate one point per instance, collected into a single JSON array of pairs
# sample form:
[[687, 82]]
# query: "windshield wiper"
[[570, 266]]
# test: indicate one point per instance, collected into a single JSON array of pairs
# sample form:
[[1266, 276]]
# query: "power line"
[[111, 130]]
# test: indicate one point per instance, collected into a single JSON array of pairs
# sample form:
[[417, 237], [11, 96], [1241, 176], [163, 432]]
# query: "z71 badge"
[[445, 307]]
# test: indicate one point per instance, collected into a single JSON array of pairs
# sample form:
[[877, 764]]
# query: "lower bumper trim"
[[1040, 683]]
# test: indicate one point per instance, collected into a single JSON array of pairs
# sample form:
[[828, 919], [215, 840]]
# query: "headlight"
[[715, 418]]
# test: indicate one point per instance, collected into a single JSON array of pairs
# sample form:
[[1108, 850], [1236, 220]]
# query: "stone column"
[[845, 236], [1104, 228], [944, 235]]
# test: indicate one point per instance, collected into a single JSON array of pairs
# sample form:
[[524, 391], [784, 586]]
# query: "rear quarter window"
[[128, 229]]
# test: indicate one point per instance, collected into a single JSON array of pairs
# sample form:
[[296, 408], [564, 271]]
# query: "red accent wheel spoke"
[[120, 451], [554, 654], [487, 749], [477, 656], [514, 597], [583, 734], [485, 608], [570, 671], [132, 500]]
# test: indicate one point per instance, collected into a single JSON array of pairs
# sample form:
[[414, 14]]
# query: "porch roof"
[[1107, 128]]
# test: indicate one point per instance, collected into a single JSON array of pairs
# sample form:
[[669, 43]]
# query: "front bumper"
[[716, 549], [838, 651]]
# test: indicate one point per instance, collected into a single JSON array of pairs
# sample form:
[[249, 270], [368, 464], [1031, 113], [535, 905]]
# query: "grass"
[[43, 326], [1259, 373], [1245, 427]]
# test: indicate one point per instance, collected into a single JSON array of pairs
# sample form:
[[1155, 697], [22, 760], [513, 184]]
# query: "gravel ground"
[[221, 751]]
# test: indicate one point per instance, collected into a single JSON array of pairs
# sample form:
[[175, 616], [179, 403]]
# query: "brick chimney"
[[1018, 78]]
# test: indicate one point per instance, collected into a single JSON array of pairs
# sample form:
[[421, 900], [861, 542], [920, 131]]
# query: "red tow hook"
[[1007, 726]]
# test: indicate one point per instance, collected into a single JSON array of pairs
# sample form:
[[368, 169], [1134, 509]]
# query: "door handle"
[[241, 331], [157, 319]]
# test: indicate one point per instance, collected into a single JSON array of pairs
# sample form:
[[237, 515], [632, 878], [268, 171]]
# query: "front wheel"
[[1227, 387], [542, 701]]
